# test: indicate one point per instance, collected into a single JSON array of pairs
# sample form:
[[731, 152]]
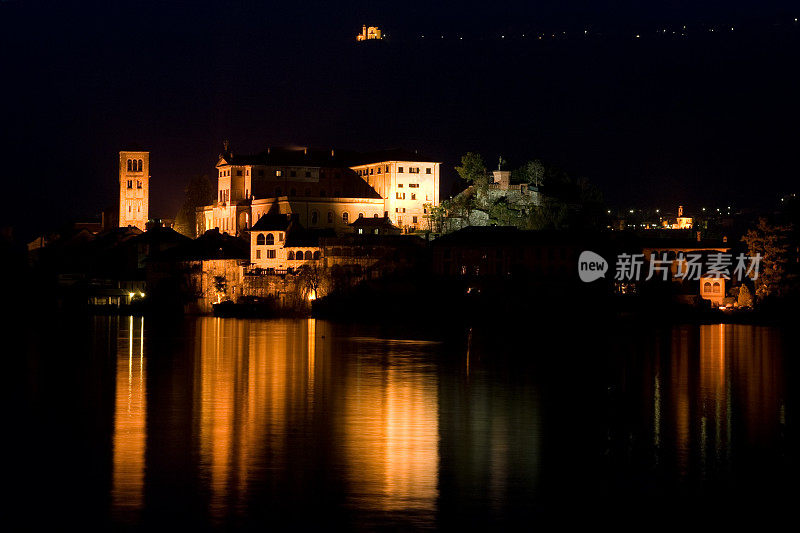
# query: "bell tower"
[[134, 189]]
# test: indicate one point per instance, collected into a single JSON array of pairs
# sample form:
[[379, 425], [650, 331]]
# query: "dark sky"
[[708, 119]]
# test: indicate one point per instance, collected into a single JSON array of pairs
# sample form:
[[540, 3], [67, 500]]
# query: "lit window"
[[279, 173]]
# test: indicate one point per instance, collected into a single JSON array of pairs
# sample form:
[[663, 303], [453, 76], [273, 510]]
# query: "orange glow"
[[130, 420], [392, 433]]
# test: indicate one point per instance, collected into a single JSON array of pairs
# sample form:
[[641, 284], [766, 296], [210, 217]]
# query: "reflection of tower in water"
[[130, 418]]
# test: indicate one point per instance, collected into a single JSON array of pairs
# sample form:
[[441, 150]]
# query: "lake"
[[212, 423]]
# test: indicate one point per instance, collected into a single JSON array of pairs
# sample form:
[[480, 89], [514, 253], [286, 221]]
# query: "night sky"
[[706, 119]]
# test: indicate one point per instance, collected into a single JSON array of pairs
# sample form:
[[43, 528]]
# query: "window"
[[140, 165], [413, 170], [413, 196], [375, 215], [715, 288], [706, 287], [271, 253], [400, 210], [314, 218], [279, 173], [317, 255], [129, 208], [258, 254], [361, 215], [414, 220], [260, 239], [238, 172], [130, 184], [360, 231], [280, 236], [400, 195], [138, 184], [379, 170], [413, 185], [371, 171], [427, 171], [270, 239], [290, 256], [399, 185], [399, 220], [345, 217], [330, 217], [387, 168], [129, 165], [308, 255], [399, 170]]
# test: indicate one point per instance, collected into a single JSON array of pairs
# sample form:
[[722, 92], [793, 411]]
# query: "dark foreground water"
[[285, 424]]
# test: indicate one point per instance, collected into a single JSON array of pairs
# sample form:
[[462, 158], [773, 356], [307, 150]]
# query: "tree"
[[473, 170], [313, 280], [199, 191], [771, 242], [745, 298], [531, 172]]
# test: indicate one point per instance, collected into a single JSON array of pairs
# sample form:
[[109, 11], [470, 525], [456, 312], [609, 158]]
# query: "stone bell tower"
[[134, 189]]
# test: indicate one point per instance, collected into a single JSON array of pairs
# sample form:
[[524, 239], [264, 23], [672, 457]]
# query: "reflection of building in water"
[[130, 416], [391, 432], [693, 405], [252, 379]]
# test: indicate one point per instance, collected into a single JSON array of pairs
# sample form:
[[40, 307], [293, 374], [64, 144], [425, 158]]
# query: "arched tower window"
[[290, 256], [308, 255], [270, 239], [130, 168], [260, 239], [316, 255], [140, 166]]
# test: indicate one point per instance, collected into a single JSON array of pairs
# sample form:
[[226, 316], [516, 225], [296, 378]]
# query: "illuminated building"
[[134, 189], [369, 33], [322, 190], [682, 222]]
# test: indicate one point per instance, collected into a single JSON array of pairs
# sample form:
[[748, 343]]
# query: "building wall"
[[134, 189], [405, 191], [712, 289]]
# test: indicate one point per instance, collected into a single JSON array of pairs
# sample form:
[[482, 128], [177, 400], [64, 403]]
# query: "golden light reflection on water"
[[728, 364], [130, 419], [391, 432]]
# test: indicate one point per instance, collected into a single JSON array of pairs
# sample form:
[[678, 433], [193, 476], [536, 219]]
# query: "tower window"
[[130, 168]]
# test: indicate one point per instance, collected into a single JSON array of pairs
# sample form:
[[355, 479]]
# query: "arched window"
[[375, 215], [308, 255], [314, 218], [361, 215], [290, 256], [706, 287], [270, 239], [260, 239], [139, 168], [316, 255], [330, 217], [345, 217], [715, 290], [130, 168]]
